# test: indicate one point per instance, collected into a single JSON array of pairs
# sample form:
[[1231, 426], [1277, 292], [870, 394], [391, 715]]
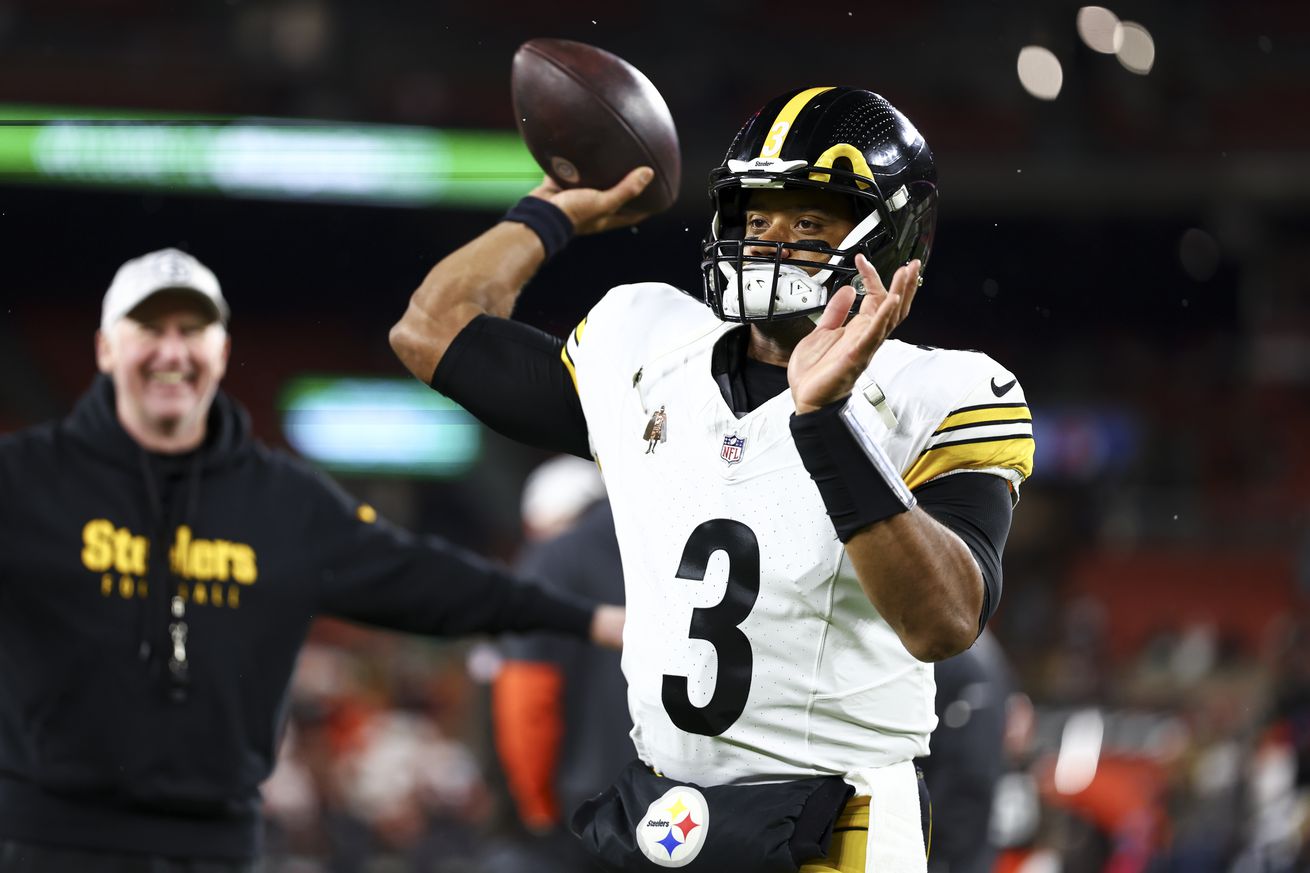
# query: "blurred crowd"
[[1192, 756]]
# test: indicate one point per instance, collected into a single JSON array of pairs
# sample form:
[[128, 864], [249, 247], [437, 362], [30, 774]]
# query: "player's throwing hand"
[[825, 364], [592, 210]]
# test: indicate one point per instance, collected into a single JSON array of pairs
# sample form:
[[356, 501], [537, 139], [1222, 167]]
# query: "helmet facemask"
[[842, 141], [765, 286]]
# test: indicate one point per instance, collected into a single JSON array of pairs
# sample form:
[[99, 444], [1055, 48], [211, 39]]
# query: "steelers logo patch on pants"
[[674, 828]]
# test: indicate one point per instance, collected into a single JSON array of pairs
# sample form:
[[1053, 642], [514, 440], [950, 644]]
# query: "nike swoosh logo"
[[1001, 390]]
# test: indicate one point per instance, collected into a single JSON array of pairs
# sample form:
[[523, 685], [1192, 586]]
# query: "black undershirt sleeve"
[[510, 377], [977, 508]]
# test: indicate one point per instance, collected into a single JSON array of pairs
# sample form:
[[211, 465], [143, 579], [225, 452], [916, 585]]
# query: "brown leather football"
[[589, 117]]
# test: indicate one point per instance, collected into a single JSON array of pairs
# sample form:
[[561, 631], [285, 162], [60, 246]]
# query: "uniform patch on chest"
[[657, 430], [732, 448]]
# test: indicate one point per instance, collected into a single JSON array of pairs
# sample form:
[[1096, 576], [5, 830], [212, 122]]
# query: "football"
[[589, 117]]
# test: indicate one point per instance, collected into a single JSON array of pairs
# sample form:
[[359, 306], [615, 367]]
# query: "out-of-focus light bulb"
[[1080, 751], [1040, 72], [1137, 49], [1099, 29]]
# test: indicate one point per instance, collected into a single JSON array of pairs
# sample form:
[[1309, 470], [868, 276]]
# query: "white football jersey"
[[751, 652]]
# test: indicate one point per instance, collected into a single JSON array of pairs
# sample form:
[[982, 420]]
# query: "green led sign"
[[267, 158]]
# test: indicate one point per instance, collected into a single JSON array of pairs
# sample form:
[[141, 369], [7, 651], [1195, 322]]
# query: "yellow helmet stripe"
[[782, 124]]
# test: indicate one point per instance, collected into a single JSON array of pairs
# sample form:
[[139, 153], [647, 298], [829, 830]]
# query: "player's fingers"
[[869, 330], [628, 187], [875, 323], [906, 283], [838, 306], [874, 291], [869, 273]]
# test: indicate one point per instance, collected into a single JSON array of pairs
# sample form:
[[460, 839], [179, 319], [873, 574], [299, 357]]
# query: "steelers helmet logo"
[[673, 830]]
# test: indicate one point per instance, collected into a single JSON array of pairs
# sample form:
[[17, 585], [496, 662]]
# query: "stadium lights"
[[281, 159], [378, 426], [1102, 31], [1040, 72], [1080, 751], [1137, 51]]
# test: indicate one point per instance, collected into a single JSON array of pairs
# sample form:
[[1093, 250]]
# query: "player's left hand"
[[824, 366], [607, 626]]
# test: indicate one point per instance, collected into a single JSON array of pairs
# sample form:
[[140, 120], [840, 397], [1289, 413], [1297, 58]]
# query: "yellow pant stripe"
[[850, 841]]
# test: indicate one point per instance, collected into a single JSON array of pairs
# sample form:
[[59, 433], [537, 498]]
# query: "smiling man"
[[159, 570], [165, 349]]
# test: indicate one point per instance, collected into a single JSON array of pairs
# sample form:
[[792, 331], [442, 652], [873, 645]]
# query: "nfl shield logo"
[[732, 448]]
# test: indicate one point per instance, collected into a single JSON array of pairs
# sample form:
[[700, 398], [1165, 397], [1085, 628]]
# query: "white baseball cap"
[[164, 270], [558, 490]]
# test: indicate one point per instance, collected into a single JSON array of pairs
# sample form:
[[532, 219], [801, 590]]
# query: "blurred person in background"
[[370, 772], [159, 571], [560, 709], [1278, 775], [824, 512], [968, 755]]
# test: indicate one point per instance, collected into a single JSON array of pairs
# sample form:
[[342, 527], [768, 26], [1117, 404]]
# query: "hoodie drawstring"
[[154, 579], [162, 579]]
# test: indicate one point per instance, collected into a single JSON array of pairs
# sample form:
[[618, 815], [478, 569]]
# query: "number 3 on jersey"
[[719, 626]]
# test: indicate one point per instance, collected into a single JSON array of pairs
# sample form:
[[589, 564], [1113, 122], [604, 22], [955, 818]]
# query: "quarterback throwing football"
[[808, 511]]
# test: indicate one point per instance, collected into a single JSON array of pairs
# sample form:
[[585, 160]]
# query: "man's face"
[[166, 358], [798, 215]]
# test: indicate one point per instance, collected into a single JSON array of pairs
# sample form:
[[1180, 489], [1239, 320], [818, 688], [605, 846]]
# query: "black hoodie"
[[106, 741]]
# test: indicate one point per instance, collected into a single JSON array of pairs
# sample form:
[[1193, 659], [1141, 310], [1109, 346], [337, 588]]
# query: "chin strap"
[[859, 232]]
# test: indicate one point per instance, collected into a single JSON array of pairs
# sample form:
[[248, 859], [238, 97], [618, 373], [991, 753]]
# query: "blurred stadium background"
[[1124, 222]]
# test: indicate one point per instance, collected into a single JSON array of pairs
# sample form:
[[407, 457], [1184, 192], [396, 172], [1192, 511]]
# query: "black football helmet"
[[842, 140]]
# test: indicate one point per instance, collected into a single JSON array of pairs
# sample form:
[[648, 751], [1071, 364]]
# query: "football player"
[[823, 510]]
